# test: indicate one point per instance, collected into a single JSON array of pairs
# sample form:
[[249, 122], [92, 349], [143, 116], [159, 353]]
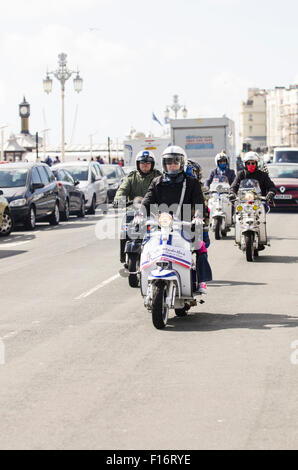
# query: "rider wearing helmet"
[[136, 184], [138, 181], [168, 189], [251, 171], [222, 169]]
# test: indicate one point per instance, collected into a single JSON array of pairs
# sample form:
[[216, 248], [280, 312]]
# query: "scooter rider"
[[167, 190], [222, 169], [251, 171], [138, 181], [136, 185]]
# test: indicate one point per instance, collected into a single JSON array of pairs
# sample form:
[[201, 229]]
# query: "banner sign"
[[195, 142]]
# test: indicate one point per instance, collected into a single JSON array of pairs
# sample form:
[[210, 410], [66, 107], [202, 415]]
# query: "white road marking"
[[10, 335], [96, 288]]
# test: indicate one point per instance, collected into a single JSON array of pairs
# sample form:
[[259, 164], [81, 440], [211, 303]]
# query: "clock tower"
[[24, 111]]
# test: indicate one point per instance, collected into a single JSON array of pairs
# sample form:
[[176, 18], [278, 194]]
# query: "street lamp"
[[62, 74], [175, 106]]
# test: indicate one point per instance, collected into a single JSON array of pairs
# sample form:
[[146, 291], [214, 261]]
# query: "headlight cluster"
[[18, 203], [165, 219]]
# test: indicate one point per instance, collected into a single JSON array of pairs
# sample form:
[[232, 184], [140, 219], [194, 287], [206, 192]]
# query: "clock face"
[[23, 110]]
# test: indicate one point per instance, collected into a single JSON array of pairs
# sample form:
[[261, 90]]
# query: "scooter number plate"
[[283, 196]]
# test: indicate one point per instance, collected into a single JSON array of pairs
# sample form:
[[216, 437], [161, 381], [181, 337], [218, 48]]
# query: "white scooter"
[[168, 270], [220, 206], [250, 225]]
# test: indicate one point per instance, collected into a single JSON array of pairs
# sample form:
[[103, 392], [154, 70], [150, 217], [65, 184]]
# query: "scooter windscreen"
[[249, 189], [220, 184]]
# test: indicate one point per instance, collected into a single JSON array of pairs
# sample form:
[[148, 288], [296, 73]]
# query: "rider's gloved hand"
[[270, 197], [232, 197], [206, 239]]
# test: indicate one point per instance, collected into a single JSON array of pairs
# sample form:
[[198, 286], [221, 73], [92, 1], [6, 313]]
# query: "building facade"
[[282, 117], [253, 120]]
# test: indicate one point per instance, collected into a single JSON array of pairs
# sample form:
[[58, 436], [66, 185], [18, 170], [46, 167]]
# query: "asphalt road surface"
[[84, 368]]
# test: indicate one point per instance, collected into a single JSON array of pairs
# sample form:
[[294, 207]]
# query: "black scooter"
[[132, 234]]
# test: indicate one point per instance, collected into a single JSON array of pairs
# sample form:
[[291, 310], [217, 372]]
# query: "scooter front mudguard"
[[167, 276]]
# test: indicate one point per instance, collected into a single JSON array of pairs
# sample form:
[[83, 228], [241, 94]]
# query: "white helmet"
[[251, 156], [145, 156], [173, 153], [221, 156]]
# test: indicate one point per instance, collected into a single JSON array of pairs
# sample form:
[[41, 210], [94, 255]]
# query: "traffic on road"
[[170, 308]]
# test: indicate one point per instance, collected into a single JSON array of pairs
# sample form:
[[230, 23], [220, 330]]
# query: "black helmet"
[[145, 156]]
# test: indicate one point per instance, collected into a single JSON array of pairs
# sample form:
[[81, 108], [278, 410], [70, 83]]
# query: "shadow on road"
[[67, 225], [217, 283], [283, 238], [43, 226], [213, 322], [16, 238], [277, 259], [10, 253]]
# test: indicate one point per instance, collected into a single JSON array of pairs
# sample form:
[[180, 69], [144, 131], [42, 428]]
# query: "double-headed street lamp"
[[62, 74], [175, 106]]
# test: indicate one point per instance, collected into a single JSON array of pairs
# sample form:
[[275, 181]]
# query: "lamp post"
[[175, 106], [62, 74]]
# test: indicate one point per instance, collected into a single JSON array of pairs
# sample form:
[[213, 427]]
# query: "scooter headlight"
[[239, 208], [165, 220], [255, 207], [249, 196]]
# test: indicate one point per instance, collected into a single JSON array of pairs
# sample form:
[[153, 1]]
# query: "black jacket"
[[230, 174], [265, 182], [167, 193]]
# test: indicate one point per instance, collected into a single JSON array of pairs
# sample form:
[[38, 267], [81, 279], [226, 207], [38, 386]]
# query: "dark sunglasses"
[[173, 160], [251, 163]]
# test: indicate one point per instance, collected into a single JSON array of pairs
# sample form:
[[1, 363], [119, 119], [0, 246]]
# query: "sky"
[[135, 55]]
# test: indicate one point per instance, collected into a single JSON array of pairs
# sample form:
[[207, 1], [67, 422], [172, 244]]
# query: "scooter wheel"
[[133, 279], [218, 230], [249, 248], [160, 311]]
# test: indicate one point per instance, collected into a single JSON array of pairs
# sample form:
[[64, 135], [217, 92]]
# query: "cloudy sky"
[[134, 55]]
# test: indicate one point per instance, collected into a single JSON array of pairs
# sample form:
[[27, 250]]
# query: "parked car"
[[92, 182], [32, 192], [115, 176], [71, 198], [6, 222], [285, 178]]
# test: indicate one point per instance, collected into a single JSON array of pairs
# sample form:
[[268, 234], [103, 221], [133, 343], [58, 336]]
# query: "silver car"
[[92, 182]]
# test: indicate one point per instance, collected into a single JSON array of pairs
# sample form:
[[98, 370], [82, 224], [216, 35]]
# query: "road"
[[85, 369]]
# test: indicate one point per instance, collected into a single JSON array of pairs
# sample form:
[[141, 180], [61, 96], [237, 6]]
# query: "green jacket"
[[135, 185]]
